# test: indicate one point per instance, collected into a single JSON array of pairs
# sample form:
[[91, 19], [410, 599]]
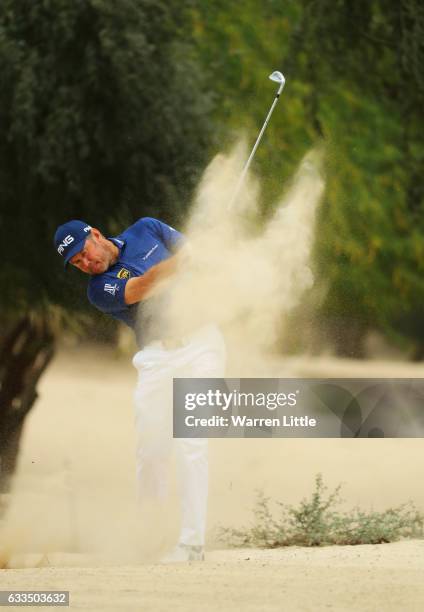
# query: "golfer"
[[125, 272]]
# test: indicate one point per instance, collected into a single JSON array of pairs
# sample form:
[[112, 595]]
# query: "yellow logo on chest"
[[123, 273]]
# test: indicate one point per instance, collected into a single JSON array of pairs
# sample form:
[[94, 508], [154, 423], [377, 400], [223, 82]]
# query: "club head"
[[277, 77]]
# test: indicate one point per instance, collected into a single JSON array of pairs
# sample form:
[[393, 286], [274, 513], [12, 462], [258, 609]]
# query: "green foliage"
[[102, 118], [109, 110], [316, 522], [369, 109], [354, 82], [240, 45]]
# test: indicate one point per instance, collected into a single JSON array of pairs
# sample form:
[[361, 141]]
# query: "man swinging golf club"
[[124, 272]]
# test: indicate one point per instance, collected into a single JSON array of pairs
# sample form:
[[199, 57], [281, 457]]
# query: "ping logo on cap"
[[66, 242], [70, 238]]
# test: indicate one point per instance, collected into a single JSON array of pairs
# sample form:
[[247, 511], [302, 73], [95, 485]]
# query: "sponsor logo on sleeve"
[[112, 289], [150, 252], [124, 273]]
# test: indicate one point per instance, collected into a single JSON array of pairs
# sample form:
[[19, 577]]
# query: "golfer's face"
[[93, 258]]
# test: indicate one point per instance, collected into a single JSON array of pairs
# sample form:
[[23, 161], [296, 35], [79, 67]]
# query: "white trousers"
[[202, 356]]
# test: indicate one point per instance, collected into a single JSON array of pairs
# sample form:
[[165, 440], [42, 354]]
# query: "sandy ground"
[[74, 525]]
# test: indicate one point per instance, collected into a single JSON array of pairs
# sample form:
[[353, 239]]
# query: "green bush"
[[316, 522]]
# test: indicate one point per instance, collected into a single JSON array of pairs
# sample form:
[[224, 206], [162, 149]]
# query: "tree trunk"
[[25, 352]]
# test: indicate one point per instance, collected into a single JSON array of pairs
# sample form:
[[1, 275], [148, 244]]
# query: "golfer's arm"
[[141, 287]]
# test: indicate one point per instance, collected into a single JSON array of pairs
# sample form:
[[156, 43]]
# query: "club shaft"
[[258, 140]]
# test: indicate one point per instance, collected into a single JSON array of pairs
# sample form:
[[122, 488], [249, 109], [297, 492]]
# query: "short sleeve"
[[107, 293], [171, 238]]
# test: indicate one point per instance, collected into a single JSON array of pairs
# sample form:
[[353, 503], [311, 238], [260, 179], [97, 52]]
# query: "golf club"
[[277, 77]]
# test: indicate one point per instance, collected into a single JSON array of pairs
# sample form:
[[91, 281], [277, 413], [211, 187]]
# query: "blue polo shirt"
[[141, 246]]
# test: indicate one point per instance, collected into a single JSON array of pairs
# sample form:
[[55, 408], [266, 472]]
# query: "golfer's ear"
[[95, 232]]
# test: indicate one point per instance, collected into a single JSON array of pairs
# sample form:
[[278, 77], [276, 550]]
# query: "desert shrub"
[[316, 521]]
